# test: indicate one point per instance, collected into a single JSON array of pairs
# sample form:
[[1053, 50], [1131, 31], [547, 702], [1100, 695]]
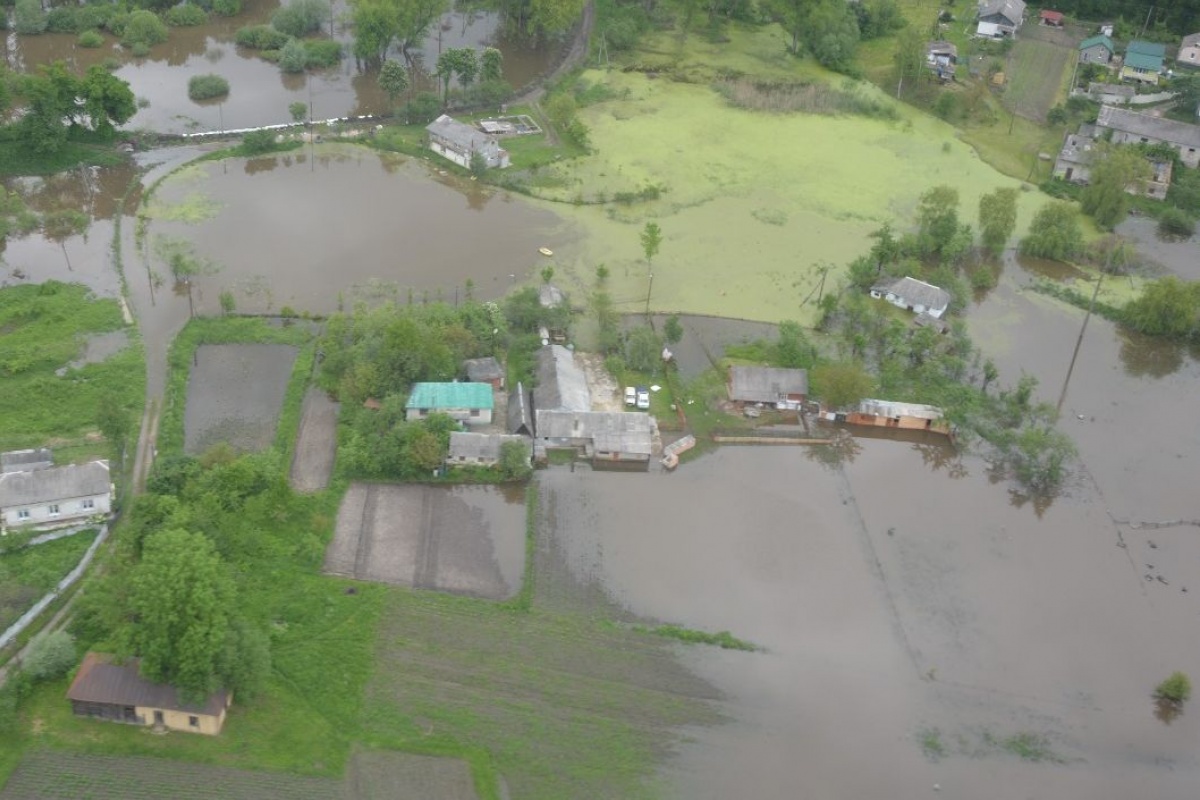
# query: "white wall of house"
[[467, 416], [1190, 156], [450, 153], [1189, 55], [59, 512]]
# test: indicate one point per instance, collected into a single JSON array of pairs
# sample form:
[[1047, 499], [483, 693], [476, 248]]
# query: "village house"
[[777, 387], [999, 19], [942, 59], [1143, 62], [1130, 127], [469, 403], [485, 370], [890, 414], [37, 495], [520, 417], [914, 295], [1052, 19], [480, 449], [1075, 158], [114, 692], [1189, 51], [611, 439], [459, 142], [1096, 50], [561, 383]]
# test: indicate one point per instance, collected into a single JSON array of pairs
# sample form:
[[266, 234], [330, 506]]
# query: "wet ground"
[[1178, 256], [235, 393], [316, 442]]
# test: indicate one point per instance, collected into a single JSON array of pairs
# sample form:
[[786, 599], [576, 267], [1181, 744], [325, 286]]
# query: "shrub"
[[91, 39], [1176, 222], [320, 53], [260, 37], [1175, 689], [186, 15], [29, 18], [293, 57], [227, 8], [50, 656], [422, 109], [301, 17], [207, 87], [139, 50], [144, 28], [258, 142]]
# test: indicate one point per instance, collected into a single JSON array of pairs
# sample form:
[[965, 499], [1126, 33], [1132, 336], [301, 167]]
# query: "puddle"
[[97, 348]]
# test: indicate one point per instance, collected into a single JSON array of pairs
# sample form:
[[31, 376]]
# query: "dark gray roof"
[[54, 483], [1012, 10], [520, 420], [611, 431], [26, 460], [1164, 130], [458, 133], [765, 384], [1076, 149], [916, 292], [562, 385], [482, 445], [101, 681], [483, 370], [943, 48]]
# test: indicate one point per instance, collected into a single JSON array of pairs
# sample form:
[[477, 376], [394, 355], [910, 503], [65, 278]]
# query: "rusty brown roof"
[[99, 680]]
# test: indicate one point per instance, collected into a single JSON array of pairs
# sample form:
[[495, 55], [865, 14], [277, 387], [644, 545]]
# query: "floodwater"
[[1178, 256], [259, 92]]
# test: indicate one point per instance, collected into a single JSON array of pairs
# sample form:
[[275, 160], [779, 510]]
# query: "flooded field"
[[1177, 256], [235, 393], [285, 231], [462, 539]]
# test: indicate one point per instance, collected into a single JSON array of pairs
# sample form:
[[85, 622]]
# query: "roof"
[[1191, 40], [1146, 48], [99, 680], [458, 133], [917, 292], [451, 395], [610, 431], [1143, 61], [1101, 39], [765, 384], [54, 483], [1166, 130], [561, 386], [518, 411], [483, 369], [482, 445], [890, 408], [1076, 149], [1115, 89], [1053, 16], [938, 48], [26, 460], [1012, 10]]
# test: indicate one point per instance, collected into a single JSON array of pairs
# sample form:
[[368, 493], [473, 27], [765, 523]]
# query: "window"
[[194, 722], [474, 412], [23, 514], [53, 509], [88, 505]]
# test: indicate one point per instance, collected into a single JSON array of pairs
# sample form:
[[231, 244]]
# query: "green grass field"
[[1036, 77], [28, 573]]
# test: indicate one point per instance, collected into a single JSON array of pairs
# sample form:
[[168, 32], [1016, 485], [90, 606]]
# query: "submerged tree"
[[1054, 232], [997, 218], [393, 79], [58, 226], [1115, 172]]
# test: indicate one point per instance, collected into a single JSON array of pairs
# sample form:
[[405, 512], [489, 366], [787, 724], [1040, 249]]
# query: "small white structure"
[[54, 497], [458, 142], [916, 296], [482, 449]]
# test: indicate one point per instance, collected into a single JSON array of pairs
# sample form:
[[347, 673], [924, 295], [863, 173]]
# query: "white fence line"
[[281, 126]]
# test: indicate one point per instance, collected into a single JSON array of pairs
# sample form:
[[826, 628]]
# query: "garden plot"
[[316, 442], [463, 539], [235, 393]]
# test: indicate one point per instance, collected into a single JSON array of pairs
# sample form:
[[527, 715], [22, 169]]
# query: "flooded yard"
[[235, 393]]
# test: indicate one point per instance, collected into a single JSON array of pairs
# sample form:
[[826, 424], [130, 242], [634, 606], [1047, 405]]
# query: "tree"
[[1115, 171], [181, 600], [1167, 307], [144, 28], [293, 58], [378, 24], [832, 35], [107, 100], [793, 350], [298, 110], [301, 17], [1176, 689], [29, 17], [643, 349], [990, 374], [841, 384], [113, 420], [491, 65], [50, 656], [937, 219], [1054, 232], [393, 79], [60, 225], [245, 661], [909, 59], [673, 329], [792, 16], [651, 241], [997, 218], [514, 461]]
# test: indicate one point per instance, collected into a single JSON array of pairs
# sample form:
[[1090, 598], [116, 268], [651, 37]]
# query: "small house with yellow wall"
[[114, 692]]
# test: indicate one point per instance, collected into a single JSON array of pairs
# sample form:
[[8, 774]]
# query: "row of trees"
[[58, 105], [831, 30]]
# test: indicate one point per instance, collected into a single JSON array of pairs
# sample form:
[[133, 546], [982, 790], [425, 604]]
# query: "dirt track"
[[316, 443]]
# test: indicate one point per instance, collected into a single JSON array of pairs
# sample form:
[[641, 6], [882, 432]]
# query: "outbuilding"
[[774, 386], [916, 296], [611, 439], [469, 449], [485, 370]]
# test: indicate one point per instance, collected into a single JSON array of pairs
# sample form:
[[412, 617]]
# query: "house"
[[485, 370], [1096, 50], [1143, 62], [1074, 164], [774, 386], [941, 58], [1189, 51], [469, 403], [26, 460], [890, 414], [53, 497], [1000, 18], [1130, 127], [1054, 19], [914, 295], [460, 142], [561, 384], [611, 439], [480, 449], [105, 690], [520, 419]]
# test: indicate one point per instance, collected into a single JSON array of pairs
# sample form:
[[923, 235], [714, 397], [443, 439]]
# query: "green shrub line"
[[288, 427], [722, 639], [1078, 299], [523, 601]]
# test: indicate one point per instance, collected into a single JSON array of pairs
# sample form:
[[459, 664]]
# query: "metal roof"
[[891, 408], [1012, 10], [915, 292], [1101, 39], [459, 134], [610, 431], [562, 385], [54, 483], [1146, 48], [451, 395], [765, 384], [1146, 61], [483, 369], [1164, 130], [26, 460], [98, 680], [519, 418], [482, 445], [1190, 40]]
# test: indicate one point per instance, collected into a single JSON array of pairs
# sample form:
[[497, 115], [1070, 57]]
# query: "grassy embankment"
[[28, 573]]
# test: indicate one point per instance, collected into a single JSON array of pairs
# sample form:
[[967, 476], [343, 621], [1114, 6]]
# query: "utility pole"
[[649, 291], [1079, 342]]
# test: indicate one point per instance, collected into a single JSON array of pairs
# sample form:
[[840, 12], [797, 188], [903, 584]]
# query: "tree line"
[[59, 105]]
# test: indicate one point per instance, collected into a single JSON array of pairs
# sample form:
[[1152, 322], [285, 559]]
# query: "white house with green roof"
[[469, 403]]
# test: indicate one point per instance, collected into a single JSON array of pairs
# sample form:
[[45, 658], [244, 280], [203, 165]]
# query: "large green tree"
[[831, 34], [181, 601], [997, 218], [1115, 172], [378, 24], [937, 219], [1054, 232], [393, 79], [841, 384]]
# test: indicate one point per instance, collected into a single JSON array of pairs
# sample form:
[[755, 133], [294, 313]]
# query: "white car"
[[643, 397], [630, 396]]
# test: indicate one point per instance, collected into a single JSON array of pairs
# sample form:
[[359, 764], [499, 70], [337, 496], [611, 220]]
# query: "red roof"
[[1052, 16]]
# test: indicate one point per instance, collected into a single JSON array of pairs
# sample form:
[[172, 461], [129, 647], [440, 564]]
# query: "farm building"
[[1189, 51], [561, 384], [54, 497], [773, 386], [616, 439], [941, 58], [1143, 62], [1130, 127], [1000, 18], [914, 295], [1075, 158], [117, 693], [520, 418], [480, 449], [1053, 19], [26, 460], [459, 142], [485, 370], [890, 414], [469, 403], [1111, 93], [1096, 50]]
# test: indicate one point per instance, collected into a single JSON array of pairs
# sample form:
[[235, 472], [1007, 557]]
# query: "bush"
[[258, 142], [260, 37], [293, 57], [29, 18], [207, 87], [143, 28], [186, 15], [91, 39], [301, 17], [321, 53], [1175, 689], [50, 656], [227, 8], [1176, 222], [422, 109]]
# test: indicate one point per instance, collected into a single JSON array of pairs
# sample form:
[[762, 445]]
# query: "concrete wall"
[[70, 511]]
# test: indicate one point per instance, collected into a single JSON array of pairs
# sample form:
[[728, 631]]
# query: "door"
[[158, 717]]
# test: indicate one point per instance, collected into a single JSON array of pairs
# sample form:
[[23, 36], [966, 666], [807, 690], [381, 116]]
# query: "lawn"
[[1036, 77], [28, 573]]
